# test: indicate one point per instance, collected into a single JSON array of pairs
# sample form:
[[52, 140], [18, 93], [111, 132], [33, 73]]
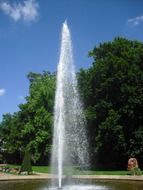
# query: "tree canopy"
[[112, 93], [31, 126], [112, 90]]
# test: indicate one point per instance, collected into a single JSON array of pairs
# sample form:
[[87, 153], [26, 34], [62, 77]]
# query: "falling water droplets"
[[69, 136]]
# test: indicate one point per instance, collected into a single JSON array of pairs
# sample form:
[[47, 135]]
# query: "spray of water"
[[69, 135]]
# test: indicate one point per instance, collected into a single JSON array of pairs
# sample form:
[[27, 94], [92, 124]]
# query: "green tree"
[[110, 141], [11, 138], [31, 126], [114, 82], [38, 115]]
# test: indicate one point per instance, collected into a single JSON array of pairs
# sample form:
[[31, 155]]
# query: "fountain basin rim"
[[9, 177]]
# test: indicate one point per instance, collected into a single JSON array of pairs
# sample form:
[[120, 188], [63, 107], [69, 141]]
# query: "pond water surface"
[[92, 185]]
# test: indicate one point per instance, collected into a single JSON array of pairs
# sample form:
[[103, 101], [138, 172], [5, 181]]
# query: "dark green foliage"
[[112, 90], [26, 163], [10, 136]]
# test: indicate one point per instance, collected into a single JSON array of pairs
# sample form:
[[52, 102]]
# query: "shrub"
[[26, 164]]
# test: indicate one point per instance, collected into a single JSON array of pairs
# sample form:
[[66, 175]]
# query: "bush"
[[26, 164], [135, 171]]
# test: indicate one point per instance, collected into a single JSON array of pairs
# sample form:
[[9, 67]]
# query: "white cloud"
[[136, 20], [27, 11], [2, 91]]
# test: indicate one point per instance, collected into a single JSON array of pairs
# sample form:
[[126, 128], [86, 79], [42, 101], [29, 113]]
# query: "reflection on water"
[[83, 187], [23, 185], [92, 185]]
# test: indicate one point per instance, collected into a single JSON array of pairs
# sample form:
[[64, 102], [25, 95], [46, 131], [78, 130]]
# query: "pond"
[[84, 185]]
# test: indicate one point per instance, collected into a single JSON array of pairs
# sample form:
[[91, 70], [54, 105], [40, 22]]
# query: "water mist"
[[69, 135]]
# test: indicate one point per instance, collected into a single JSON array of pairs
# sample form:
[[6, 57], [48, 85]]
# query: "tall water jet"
[[69, 136]]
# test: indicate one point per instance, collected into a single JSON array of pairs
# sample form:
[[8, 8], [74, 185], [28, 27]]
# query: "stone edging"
[[40, 176]]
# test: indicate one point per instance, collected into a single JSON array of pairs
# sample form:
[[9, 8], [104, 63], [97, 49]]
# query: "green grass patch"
[[75, 171], [38, 169], [41, 169], [88, 172]]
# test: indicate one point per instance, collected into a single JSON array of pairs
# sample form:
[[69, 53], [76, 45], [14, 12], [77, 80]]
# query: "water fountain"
[[69, 141], [70, 145]]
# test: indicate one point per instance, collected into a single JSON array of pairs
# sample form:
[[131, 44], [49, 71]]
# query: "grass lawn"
[[46, 169], [103, 172], [39, 169]]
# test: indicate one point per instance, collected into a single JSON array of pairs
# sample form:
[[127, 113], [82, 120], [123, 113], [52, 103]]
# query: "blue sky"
[[30, 37]]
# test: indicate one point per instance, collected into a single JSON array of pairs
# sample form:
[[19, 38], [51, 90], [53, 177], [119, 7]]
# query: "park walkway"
[[7, 177], [41, 176]]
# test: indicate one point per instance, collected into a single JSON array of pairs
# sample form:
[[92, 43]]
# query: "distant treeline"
[[112, 93]]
